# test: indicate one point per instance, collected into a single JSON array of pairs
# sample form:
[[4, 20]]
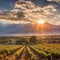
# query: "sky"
[[29, 11], [14, 13]]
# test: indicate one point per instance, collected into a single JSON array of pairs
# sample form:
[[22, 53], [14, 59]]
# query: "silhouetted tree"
[[33, 39]]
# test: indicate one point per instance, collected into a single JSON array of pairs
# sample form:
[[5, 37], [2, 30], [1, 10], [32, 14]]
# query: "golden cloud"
[[28, 11]]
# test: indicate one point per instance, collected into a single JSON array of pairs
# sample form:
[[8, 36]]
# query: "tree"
[[33, 39]]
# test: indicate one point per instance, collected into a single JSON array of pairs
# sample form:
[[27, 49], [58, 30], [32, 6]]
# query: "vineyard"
[[30, 52]]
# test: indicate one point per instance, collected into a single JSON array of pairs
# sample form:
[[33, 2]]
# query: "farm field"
[[46, 51]]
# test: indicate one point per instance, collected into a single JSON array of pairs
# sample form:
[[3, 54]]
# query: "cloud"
[[33, 11], [58, 1], [8, 15], [28, 10]]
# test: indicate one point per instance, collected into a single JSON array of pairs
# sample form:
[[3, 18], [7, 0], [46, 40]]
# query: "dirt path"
[[25, 55]]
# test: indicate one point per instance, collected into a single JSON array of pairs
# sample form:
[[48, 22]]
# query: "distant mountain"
[[45, 28]]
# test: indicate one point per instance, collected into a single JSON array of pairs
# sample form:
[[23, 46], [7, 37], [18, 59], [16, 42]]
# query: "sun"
[[41, 21]]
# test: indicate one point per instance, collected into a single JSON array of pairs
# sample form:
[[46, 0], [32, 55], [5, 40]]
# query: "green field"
[[30, 48], [30, 52]]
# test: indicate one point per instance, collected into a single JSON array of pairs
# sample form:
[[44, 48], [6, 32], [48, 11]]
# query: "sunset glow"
[[41, 21]]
